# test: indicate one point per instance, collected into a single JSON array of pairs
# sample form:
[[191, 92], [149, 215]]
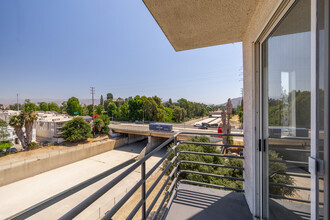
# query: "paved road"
[[20, 195]]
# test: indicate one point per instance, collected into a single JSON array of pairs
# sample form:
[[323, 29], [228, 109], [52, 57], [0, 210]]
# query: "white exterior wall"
[[261, 17]]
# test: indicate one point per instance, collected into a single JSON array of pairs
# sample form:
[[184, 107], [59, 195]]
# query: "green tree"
[[101, 100], [43, 106], [106, 103], [119, 102], [135, 108], [3, 130], [276, 169], [90, 110], [178, 114], [123, 112], [76, 130], [73, 106], [17, 122], [99, 109], [30, 116], [63, 107], [110, 96], [98, 124], [101, 124], [52, 106], [208, 169], [169, 114], [112, 109]]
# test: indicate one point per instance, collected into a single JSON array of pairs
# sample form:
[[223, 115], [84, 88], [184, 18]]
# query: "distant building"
[[6, 115], [49, 125]]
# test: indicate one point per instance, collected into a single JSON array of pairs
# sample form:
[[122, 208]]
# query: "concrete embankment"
[[26, 164]]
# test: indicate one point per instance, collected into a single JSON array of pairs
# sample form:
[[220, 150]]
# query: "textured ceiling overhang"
[[190, 24]]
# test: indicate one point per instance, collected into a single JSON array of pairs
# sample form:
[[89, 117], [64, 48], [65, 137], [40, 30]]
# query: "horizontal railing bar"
[[210, 154], [288, 198], [160, 191], [290, 186], [92, 198], [62, 195], [294, 174], [217, 134], [211, 164], [211, 185], [211, 144], [164, 199], [124, 199], [160, 161], [289, 149], [160, 176], [211, 174], [138, 206], [289, 161]]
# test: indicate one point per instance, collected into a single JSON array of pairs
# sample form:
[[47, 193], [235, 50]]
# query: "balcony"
[[177, 194]]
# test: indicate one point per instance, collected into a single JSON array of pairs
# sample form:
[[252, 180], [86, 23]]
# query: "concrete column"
[[153, 142]]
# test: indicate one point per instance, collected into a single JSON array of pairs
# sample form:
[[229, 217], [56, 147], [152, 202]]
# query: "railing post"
[[143, 189], [175, 155]]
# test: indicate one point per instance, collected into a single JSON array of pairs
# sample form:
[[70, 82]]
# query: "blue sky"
[[58, 49]]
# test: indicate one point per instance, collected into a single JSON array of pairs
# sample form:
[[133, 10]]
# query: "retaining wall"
[[65, 157]]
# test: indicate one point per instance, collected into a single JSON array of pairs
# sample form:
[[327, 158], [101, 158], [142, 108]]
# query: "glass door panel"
[[286, 115]]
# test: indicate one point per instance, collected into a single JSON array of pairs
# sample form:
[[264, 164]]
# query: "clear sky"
[[58, 49]]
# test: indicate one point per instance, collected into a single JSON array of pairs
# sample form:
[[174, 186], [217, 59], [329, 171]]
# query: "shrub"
[[5, 145], [76, 130], [208, 169], [274, 167], [101, 124]]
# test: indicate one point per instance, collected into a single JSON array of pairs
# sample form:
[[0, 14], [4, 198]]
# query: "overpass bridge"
[[138, 132]]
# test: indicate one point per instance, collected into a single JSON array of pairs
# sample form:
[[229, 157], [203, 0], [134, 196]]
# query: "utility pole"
[[17, 102], [93, 92]]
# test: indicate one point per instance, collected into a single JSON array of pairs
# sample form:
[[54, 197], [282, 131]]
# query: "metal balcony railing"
[[173, 179], [174, 174]]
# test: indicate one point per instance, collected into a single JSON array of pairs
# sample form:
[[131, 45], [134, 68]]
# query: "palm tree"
[[17, 122], [29, 118]]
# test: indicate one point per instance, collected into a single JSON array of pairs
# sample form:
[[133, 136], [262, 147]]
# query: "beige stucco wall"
[[261, 17]]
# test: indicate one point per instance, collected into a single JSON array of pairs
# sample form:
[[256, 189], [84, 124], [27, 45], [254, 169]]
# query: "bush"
[[33, 145], [208, 169], [274, 177], [274, 167], [5, 145], [101, 124], [76, 130]]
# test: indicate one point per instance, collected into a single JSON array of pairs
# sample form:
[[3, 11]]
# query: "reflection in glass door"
[[286, 114]]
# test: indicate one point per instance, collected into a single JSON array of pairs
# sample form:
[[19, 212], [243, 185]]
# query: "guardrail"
[[173, 179], [174, 176]]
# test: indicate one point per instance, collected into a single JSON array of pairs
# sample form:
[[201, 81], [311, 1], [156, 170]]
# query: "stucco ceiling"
[[190, 24]]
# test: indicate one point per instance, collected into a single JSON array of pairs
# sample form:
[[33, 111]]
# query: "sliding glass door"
[[286, 107]]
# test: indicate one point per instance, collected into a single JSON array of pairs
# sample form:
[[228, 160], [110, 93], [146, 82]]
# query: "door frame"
[[262, 193]]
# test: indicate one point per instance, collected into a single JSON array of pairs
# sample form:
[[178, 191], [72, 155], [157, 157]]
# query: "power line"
[[93, 92], [17, 102]]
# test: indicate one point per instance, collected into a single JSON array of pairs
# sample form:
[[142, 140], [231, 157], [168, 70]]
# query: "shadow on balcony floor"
[[194, 202]]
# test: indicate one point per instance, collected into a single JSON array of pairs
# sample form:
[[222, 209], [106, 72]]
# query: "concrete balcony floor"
[[195, 202]]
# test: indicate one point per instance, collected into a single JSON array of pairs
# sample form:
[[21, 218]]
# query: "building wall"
[[261, 17]]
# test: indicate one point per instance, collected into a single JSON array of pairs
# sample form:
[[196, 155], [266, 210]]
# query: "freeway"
[[22, 194]]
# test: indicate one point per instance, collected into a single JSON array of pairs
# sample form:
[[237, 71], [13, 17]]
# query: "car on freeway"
[[203, 127], [197, 125]]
